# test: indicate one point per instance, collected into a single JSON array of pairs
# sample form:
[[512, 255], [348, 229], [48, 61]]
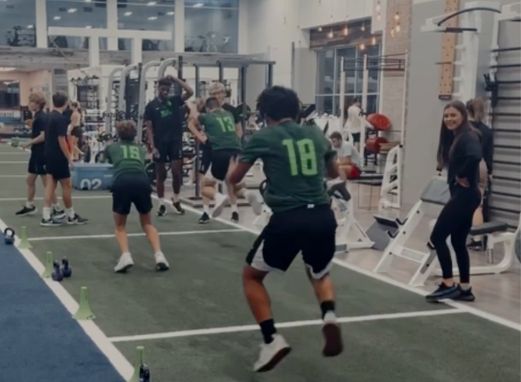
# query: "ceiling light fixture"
[[57, 18], [151, 18], [330, 34], [397, 16], [362, 28], [373, 41], [198, 5], [319, 29], [398, 28], [127, 13], [6, 69], [71, 10], [30, 26], [170, 13], [88, 26], [361, 46], [88, 1], [345, 31], [151, 3], [378, 6]]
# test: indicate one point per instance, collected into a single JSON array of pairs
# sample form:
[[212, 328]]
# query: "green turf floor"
[[203, 290]]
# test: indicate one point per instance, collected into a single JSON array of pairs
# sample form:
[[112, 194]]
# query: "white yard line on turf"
[[138, 234], [462, 306], [118, 361], [74, 197], [291, 324]]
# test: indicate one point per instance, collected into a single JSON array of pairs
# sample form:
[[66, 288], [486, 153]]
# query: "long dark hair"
[[448, 138]]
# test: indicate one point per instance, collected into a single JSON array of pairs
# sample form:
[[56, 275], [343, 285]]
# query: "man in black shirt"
[[37, 160], [58, 157], [164, 123]]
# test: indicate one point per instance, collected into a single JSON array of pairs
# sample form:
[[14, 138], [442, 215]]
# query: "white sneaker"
[[220, 202], [161, 262], [271, 354], [254, 201], [124, 264]]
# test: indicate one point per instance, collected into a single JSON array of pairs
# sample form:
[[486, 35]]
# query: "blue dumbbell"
[[9, 236], [57, 273], [66, 269]]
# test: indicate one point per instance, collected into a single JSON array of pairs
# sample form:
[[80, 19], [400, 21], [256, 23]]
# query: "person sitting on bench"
[[348, 158]]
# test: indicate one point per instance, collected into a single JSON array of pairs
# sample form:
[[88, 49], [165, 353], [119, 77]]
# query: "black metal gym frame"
[[457, 13], [221, 61]]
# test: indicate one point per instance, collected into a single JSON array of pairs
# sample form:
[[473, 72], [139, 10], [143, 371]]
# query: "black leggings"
[[455, 220]]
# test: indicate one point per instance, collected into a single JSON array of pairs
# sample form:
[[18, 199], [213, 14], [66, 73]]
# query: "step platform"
[[91, 176]]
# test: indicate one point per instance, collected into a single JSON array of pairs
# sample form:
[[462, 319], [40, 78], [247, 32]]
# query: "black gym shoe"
[[465, 295], [58, 214], [475, 245], [77, 219], [178, 208], [235, 217], [443, 292], [161, 211], [204, 219], [27, 211], [50, 222]]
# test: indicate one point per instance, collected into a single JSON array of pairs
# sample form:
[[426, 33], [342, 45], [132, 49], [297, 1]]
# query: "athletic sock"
[[234, 208], [56, 207], [328, 310], [70, 213], [206, 209], [162, 202], [46, 213], [29, 204], [465, 286], [268, 330], [176, 198]]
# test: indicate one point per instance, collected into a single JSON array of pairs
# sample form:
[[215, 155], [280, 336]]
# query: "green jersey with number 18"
[[295, 161], [126, 157]]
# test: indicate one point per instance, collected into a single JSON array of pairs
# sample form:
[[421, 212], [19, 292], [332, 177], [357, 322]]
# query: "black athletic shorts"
[[169, 151], [307, 229], [131, 188], [216, 162], [58, 168], [36, 163]]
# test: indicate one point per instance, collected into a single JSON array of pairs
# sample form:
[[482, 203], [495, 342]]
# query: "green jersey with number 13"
[[126, 157], [219, 126], [295, 161]]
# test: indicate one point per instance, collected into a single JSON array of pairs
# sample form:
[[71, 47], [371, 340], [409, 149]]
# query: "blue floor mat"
[[39, 340]]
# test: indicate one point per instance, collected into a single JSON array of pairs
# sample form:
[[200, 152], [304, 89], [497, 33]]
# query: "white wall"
[[40, 80], [313, 13]]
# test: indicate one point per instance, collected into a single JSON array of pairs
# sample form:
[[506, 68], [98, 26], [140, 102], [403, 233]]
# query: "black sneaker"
[[178, 208], [162, 210], [465, 295], [27, 211], [475, 245], [58, 214], [443, 292], [235, 217], [204, 219], [77, 219], [50, 223]]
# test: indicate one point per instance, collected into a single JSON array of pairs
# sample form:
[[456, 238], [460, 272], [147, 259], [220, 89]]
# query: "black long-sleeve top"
[[464, 159], [487, 143]]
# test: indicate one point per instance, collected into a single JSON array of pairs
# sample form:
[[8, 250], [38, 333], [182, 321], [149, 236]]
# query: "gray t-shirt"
[[348, 150]]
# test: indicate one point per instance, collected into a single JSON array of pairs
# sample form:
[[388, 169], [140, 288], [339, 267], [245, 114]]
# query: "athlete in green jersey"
[[296, 159], [221, 146], [131, 186]]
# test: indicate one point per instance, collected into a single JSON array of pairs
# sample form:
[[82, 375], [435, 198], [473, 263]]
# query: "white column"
[[41, 24], [112, 24], [179, 30], [136, 53], [94, 58], [242, 37]]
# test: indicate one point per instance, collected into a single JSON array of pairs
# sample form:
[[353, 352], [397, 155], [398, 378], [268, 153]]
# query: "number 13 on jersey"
[[305, 148]]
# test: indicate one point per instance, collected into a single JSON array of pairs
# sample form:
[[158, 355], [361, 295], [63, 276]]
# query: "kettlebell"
[[9, 236]]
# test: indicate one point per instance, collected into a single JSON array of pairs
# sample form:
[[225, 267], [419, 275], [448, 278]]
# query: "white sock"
[[56, 206], [125, 254], [29, 204], [70, 212], [330, 316], [206, 209], [234, 208], [162, 201], [46, 213], [176, 198]]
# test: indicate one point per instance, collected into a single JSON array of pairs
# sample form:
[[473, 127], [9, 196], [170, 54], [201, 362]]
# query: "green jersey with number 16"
[[295, 161], [126, 157]]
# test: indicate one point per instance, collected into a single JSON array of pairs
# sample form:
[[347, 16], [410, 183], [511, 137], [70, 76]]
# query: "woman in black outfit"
[[459, 149]]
